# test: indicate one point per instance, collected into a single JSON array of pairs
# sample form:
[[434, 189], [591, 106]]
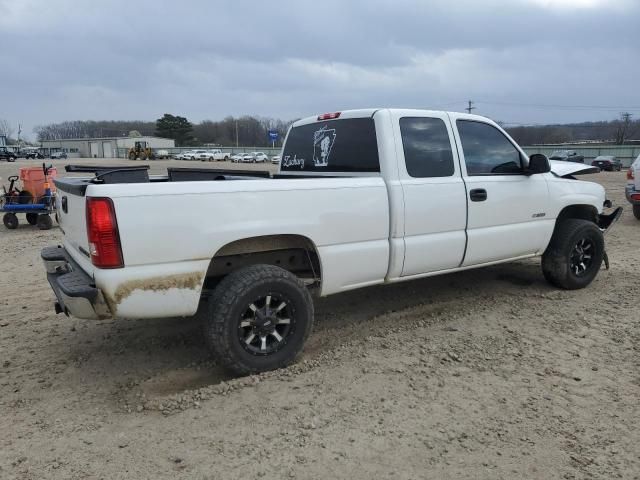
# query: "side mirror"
[[538, 163]]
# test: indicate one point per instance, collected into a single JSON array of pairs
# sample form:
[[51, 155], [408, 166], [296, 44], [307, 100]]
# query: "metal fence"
[[625, 153]]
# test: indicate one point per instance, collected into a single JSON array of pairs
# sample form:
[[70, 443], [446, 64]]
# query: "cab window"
[[427, 149], [487, 151]]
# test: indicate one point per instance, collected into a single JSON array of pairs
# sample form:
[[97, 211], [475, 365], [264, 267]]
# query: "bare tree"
[[6, 129], [622, 128]]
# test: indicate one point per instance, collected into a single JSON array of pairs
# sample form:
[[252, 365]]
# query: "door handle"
[[478, 195]]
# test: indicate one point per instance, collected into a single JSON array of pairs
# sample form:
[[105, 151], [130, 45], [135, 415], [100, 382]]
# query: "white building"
[[106, 147]]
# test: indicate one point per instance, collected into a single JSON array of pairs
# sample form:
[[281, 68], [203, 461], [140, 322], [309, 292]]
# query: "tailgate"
[[70, 208]]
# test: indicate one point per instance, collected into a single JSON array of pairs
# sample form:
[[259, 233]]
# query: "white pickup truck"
[[362, 197], [215, 155]]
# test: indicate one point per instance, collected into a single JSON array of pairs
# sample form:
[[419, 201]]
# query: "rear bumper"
[[75, 291], [629, 191]]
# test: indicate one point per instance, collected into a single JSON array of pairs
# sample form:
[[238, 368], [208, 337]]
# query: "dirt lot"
[[483, 374]]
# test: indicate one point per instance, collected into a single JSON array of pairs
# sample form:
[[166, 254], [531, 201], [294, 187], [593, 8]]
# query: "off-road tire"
[[10, 221], [636, 211], [556, 260], [44, 222], [231, 299]]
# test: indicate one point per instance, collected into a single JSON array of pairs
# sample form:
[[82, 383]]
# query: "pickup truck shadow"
[[166, 356]]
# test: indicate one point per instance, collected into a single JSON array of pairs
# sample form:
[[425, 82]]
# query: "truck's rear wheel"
[[258, 319], [636, 211], [574, 255]]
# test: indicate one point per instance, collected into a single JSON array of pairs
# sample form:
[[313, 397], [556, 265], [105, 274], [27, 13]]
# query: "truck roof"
[[369, 112]]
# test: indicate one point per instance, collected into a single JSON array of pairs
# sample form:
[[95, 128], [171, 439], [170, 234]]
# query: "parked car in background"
[[220, 156], [607, 162], [260, 157], [31, 153], [236, 157], [162, 154], [184, 155], [6, 154], [247, 158], [275, 159], [567, 156], [196, 155], [632, 190], [216, 155], [204, 155], [58, 156]]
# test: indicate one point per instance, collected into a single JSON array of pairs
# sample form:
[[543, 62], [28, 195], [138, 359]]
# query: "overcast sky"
[[521, 61]]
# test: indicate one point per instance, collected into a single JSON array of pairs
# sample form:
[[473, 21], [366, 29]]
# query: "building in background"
[[107, 147]]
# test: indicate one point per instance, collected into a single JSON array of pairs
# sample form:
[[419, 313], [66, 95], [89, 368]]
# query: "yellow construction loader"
[[141, 152]]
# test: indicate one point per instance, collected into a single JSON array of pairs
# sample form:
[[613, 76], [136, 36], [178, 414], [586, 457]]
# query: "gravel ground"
[[483, 374]]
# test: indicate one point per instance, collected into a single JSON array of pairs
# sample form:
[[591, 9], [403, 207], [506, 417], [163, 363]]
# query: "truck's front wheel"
[[258, 319], [574, 255]]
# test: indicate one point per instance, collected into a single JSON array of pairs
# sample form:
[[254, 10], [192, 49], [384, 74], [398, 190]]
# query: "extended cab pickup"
[[362, 197]]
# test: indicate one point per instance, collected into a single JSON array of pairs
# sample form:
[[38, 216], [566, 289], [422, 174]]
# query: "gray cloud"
[[137, 60]]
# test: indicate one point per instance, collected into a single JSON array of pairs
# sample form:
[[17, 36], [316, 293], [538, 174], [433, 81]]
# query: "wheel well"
[[294, 253], [583, 212]]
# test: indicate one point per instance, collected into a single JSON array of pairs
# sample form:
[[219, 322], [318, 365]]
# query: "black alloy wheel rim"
[[266, 324], [581, 259]]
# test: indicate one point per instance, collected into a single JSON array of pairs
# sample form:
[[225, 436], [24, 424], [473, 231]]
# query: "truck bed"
[[171, 226]]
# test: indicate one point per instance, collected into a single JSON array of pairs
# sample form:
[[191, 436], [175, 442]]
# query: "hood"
[[568, 169]]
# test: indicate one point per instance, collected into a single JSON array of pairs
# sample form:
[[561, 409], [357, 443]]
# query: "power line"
[[569, 107]]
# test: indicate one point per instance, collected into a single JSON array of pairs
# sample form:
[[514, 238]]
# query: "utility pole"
[[470, 107], [19, 132], [236, 133]]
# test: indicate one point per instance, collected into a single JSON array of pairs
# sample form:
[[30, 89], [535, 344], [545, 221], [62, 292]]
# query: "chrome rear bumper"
[[75, 291]]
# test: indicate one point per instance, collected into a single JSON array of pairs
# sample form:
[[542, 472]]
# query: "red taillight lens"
[[102, 233], [630, 174], [329, 116], [635, 196]]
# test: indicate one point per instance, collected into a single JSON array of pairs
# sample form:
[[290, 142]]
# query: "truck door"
[[435, 208], [507, 209]]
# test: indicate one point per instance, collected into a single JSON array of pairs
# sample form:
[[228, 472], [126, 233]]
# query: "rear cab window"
[[341, 145]]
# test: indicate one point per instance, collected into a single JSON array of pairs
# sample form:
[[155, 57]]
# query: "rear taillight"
[[630, 174], [329, 116], [102, 233]]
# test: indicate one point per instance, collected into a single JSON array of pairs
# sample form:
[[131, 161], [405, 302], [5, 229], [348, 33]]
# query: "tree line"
[[617, 131], [253, 131], [243, 131]]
